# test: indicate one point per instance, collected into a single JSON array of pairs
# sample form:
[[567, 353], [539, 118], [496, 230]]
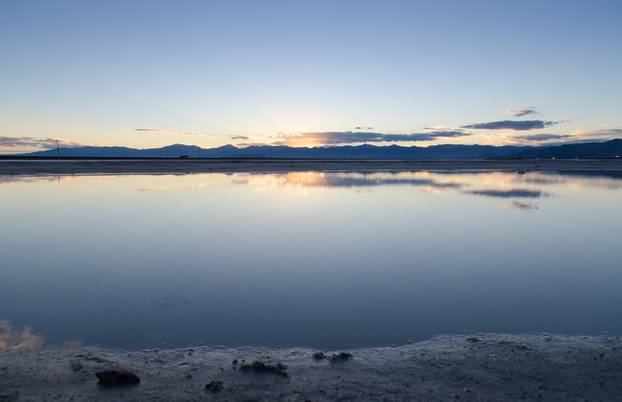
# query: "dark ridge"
[[593, 150]]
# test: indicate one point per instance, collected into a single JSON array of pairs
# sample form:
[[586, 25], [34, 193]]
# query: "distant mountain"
[[609, 149]]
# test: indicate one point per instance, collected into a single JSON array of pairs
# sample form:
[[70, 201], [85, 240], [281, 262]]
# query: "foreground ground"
[[487, 367], [176, 166]]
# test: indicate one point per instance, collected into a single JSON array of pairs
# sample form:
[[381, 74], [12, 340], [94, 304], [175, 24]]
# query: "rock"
[[340, 357], [214, 386], [115, 378], [472, 340], [6, 396], [263, 368], [76, 366], [319, 356]]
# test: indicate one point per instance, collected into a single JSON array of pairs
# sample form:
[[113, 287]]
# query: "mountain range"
[[608, 149]]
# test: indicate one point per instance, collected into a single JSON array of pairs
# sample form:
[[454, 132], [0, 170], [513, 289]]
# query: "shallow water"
[[327, 260]]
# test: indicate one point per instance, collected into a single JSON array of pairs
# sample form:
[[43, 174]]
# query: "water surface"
[[328, 260]]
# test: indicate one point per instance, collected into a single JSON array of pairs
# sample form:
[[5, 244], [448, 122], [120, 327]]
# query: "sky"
[[152, 73]]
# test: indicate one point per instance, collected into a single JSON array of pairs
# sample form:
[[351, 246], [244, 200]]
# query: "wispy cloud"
[[611, 132], [167, 131], [351, 137], [31, 142], [519, 125], [541, 137], [522, 111], [195, 133]]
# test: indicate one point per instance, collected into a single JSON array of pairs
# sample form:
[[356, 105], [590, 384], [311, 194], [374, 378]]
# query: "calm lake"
[[328, 260]]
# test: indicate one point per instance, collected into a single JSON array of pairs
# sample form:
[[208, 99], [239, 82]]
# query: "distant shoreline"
[[52, 166]]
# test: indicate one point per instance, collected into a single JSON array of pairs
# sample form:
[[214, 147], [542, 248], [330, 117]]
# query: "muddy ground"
[[485, 367]]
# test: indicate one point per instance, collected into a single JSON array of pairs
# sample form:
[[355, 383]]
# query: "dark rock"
[[472, 339], [115, 378], [319, 356], [340, 357], [76, 366], [215, 386], [263, 368], [9, 396]]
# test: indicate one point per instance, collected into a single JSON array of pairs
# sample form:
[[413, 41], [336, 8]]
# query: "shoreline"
[[479, 367], [29, 167]]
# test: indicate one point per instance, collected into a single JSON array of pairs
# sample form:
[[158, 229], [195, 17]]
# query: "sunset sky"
[[153, 73]]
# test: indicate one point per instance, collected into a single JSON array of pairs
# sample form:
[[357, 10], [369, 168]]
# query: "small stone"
[[263, 368], [340, 357], [319, 356], [215, 386], [115, 378], [9, 396], [76, 366]]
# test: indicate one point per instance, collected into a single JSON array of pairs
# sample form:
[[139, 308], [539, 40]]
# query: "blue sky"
[[307, 73]]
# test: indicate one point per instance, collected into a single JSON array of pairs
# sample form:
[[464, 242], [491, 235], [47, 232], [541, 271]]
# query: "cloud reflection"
[[511, 193], [320, 179], [13, 339], [523, 206]]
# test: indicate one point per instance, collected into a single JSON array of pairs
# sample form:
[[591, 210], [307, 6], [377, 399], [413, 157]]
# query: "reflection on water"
[[331, 260], [525, 206], [11, 338]]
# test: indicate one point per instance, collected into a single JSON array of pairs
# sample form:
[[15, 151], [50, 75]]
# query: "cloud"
[[593, 136], [44, 143], [541, 137], [519, 125], [167, 131], [611, 132], [350, 137], [148, 129], [522, 111], [239, 137], [513, 193], [363, 128]]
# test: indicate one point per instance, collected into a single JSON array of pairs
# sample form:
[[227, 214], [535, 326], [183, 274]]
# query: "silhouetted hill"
[[609, 149]]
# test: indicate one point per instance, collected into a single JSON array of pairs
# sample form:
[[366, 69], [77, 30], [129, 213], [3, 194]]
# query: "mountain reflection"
[[11, 338]]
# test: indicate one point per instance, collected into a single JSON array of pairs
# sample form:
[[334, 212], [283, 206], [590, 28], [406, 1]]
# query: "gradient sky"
[[211, 73]]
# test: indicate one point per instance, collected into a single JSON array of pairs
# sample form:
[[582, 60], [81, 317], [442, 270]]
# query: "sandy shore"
[[486, 367], [180, 166]]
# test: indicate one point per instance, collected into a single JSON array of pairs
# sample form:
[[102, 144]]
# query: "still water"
[[326, 260]]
